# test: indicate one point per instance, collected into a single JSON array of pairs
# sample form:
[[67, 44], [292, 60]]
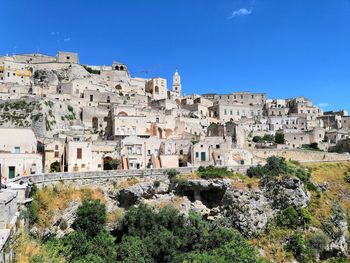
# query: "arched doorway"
[[55, 167], [156, 90], [107, 163], [95, 123]]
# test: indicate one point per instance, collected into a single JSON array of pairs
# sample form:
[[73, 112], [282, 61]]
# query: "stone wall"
[[107, 176], [301, 155]]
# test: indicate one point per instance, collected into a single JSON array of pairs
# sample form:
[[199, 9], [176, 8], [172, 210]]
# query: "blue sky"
[[284, 48]]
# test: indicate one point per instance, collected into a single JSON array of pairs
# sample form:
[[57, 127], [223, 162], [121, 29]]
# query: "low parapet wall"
[[301, 155], [109, 175]]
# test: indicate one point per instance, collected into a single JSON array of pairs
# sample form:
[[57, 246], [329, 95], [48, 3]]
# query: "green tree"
[[91, 217], [279, 138], [133, 249]]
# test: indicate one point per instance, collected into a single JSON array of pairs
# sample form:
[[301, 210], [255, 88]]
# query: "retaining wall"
[[109, 176], [301, 155]]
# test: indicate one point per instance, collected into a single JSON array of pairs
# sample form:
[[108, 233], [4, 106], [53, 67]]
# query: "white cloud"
[[54, 33], [240, 12], [67, 39], [323, 104]]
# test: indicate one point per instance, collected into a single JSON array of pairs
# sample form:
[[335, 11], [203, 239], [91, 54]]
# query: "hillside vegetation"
[[314, 232]]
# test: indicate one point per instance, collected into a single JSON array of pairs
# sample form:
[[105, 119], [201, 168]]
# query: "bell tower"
[[176, 84]]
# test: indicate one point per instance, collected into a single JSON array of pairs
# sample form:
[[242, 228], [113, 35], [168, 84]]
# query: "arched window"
[[156, 90], [108, 99]]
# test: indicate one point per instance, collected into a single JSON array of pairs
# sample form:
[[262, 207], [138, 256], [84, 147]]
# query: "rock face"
[[337, 229], [218, 200], [249, 211], [61, 223], [286, 191]]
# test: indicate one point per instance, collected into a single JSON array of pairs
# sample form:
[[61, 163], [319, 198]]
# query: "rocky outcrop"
[[247, 210], [337, 229], [285, 191], [61, 223]]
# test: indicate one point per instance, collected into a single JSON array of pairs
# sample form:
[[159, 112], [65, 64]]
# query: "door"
[[203, 157], [11, 172]]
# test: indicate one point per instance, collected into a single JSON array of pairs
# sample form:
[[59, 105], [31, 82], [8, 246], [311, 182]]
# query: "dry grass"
[[244, 182], [115, 216], [127, 182], [26, 247], [338, 189], [271, 245], [58, 197]]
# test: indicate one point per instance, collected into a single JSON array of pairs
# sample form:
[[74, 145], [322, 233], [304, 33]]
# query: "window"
[[79, 153], [56, 154], [218, 146], [157, 119], [68, 58], [91, 97], [83, 165], [181, 152], [129, 149], [17, 149], [197, 154]]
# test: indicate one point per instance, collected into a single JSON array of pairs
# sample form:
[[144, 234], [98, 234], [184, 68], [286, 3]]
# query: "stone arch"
[[118, 87], [121, 68], [55, 167], [122, 113], [156, 90], [116, 68], [107, 163], [94, 123]]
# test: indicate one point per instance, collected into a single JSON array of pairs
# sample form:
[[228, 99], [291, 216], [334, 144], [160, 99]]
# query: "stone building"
[[18, 153]]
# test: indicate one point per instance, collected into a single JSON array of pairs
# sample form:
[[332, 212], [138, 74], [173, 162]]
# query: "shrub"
[[172, 173], [257, 139], [347, 178], [318, 241], [276, 166], [256, 171], [213, 172], [299, 247], [91, 217], [292, 217], [156, 184], [269, 138], [279, 138]]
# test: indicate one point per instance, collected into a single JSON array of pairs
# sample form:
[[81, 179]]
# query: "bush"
[[279, 138], [347, 178], [318, 241], [299, 247], [276, 166], [156, 184], [257, 139], [91, 217], [213, 172], [268, 138], [292, 217], [256, 171], [172, 173]]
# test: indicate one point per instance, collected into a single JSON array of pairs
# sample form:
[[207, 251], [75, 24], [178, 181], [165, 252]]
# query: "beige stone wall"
[[300, 155]]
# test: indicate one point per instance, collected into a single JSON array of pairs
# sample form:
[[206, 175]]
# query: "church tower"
[[176, 84]]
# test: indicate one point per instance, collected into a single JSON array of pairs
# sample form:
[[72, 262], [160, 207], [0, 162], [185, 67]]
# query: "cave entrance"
[[212, 198]]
